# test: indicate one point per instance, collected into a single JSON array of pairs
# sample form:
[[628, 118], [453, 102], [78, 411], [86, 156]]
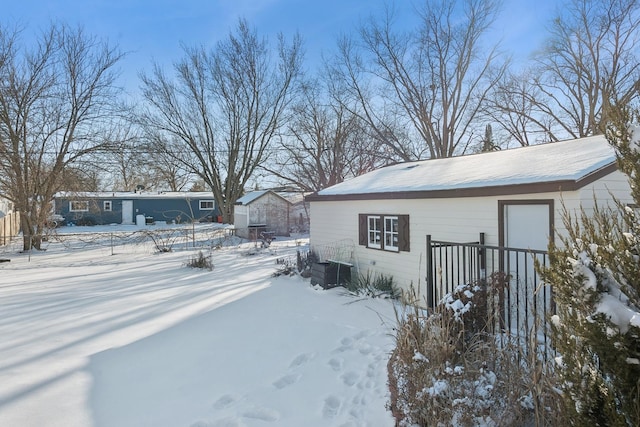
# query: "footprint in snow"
[[336, 364], [287, 380], [372, 370], [331, 407], [224, 422], [301, 359], [365, 384], [350, 378], [363, 334], [346, 344], [263, 414], [359, 400], [356, 413], [228, 422], [225, 401], [365, 349], [346, 341]]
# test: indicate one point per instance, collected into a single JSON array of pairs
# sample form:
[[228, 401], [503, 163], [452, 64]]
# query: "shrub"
[[163, 240], [304, 261], [201, 261], [447, 369], [86, 222], [286, 268], [301, 265], [373, 285], [597, 288]]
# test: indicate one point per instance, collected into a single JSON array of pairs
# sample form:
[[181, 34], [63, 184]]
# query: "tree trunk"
[[227, 213], [31, 236]]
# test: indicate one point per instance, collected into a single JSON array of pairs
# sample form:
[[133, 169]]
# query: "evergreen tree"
[[488, 144], [596, 279]]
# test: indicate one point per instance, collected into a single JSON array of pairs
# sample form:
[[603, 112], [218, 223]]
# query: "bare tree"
[[588, 63], [82, 176], [352, 77], [135, 162], [161, 166], [436, 79], [324, 143], [514, 105], [223, 108], [125, 160], [55, 101]]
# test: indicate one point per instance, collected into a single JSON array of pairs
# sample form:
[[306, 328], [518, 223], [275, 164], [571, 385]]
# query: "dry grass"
[[447, 369], [201, 261]]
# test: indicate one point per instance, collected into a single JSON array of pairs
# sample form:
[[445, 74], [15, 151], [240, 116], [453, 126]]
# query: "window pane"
[[75, 206], [206, 205], [374, 231], [391, 233]]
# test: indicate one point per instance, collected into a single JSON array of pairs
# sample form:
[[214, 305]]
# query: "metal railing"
[[519, 303]]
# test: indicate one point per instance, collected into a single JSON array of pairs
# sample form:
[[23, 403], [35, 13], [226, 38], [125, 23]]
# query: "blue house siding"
[[107, 208], [95, 213], [171, 210]]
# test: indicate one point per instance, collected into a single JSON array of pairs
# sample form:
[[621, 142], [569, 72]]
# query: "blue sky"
[[154, 30]]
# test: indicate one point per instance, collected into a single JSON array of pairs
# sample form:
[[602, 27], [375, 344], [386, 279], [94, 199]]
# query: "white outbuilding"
[[262, 211], [379, 222]]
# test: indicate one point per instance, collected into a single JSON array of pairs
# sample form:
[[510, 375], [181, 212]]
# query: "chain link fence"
[[135, 240]]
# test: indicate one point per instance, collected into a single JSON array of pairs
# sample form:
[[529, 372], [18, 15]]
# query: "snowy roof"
[[254, 195], [565, 161], [294, 197], [250, 197], [136, 195]]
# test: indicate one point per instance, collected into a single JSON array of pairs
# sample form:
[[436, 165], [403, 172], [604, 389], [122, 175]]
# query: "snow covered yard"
[[136, 338]]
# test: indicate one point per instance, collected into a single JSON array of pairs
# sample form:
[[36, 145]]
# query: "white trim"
[[213, 205], [390, 233], [72, 202], [374, 234], [107, 205]]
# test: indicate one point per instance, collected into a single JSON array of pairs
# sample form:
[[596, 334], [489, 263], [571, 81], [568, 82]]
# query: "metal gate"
[[519, 303]]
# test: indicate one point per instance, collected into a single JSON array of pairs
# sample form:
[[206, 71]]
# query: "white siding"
[[240, 219], [270, 211], [460, 220], [602, 190], [334, 225]]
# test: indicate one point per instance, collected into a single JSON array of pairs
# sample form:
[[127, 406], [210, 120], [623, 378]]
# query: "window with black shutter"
[[385, 232]]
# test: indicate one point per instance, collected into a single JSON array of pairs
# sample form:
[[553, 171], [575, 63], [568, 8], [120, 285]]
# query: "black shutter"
[[362, 230], [403, 233]]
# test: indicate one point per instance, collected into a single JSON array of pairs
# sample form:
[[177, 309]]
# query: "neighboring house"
[[99, 208], [5, 206], [9, 221], [379, 221], [260, 211]]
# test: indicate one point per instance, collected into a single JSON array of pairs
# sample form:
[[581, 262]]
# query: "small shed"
[[100, 208], [260, 211], [379, 221]]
